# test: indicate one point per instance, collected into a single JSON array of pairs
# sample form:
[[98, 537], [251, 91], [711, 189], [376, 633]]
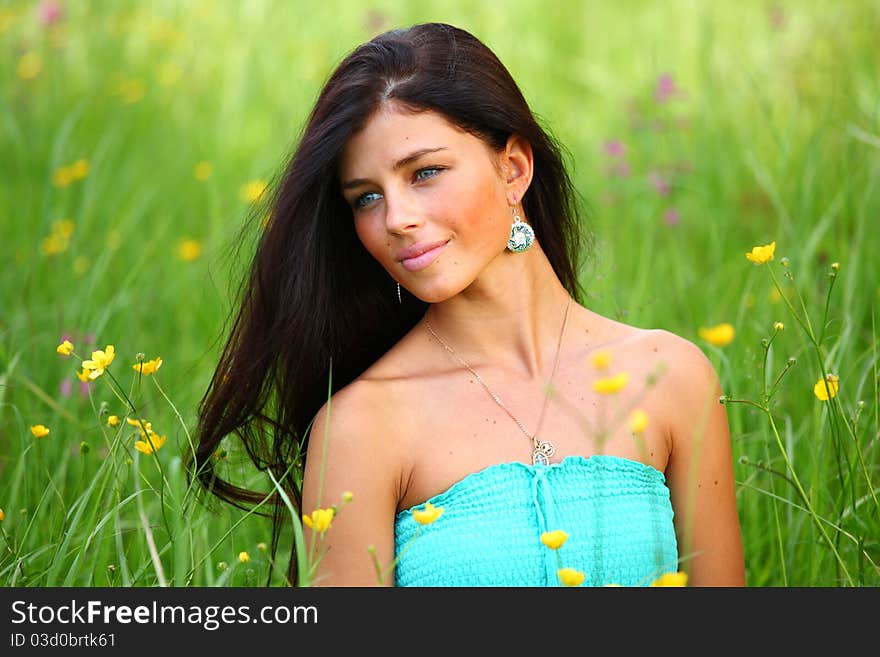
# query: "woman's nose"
[[402, 215]]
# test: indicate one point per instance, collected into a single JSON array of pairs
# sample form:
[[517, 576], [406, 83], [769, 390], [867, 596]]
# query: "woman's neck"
[[510, 316]]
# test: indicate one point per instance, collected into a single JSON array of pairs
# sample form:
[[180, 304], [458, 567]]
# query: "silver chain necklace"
[[543, 450]]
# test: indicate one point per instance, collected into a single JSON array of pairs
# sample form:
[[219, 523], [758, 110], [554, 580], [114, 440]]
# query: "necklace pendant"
[[542, 453]]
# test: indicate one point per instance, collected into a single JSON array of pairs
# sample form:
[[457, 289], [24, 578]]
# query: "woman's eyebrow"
[[402, 162]]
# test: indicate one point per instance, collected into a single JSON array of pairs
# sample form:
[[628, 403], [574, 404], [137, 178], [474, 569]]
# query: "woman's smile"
[[419, 256]]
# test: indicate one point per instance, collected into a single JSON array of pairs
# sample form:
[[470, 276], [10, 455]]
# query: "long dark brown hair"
[[315, 309]]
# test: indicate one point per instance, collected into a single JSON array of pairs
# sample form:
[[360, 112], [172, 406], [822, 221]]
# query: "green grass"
[[773, 134]]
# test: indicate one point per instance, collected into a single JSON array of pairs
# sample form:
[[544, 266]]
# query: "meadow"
[[138, 138]]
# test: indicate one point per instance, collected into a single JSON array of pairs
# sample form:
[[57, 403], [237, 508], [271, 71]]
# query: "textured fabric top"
[[616, 512]]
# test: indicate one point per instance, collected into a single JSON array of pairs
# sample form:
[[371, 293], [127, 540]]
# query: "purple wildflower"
[[49, 12], [665, 88], [660, 183], [615, 148]]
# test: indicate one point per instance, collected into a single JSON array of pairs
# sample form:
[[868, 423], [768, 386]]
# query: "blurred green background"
[[136, 137]]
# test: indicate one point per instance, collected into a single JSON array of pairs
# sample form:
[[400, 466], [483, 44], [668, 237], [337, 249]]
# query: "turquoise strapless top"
[[616, 512]]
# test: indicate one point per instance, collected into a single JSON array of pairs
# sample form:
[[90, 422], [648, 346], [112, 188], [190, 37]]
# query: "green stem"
[[155, 454], [827, 304], [806, 326], [806, 499]]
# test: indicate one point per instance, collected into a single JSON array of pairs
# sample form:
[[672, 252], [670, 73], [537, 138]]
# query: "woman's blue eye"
[[359, 202], [364, 199], [421, 171]]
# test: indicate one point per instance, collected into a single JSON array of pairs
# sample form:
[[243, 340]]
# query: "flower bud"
[[723, 399], [765, 342], [140, 356], [111, 568], [84, 447], [221, 566], [784, 261], [860, 403], [744, 460], [778, 326], [262, 547], [835, 266], [791, 361]]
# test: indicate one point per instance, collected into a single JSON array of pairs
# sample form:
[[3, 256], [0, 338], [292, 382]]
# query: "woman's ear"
[[518, 167]]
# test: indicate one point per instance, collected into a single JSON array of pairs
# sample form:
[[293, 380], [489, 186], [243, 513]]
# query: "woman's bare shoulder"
[[655, 345], [370, 414]]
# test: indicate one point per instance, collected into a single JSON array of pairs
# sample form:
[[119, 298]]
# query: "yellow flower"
[[601, 359], [244, 557], [347, 496], [570, 576], [821, 392], [761, 254], [148, 367], [100, 360], [203, 171], [62, 177], [40, 431], [835, 266], [113, 421], [65, 348], [154, 443], [554, 539], [53, 245], [189, 250], [428, 515], [671, 579], [30, 65], [79, 169], [638, 421], [84, 375], [320, 520], [253, 191], [720, 335], [2, 515], [612, 384], [146, 425], [778, 326], [63, 228]]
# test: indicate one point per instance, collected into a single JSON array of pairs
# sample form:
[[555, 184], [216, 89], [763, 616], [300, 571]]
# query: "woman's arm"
[[700, 470], [348, 453]]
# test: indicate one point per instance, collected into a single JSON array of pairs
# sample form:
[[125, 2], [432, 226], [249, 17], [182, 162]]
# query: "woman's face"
[[429, 201]]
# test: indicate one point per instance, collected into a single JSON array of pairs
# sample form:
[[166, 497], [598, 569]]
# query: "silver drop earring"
[[399, 300], [521, 234]]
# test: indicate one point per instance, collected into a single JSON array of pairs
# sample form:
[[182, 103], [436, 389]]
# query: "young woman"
[[411, 334]]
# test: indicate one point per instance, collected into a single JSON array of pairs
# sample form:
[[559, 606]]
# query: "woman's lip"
[[423, 260]]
